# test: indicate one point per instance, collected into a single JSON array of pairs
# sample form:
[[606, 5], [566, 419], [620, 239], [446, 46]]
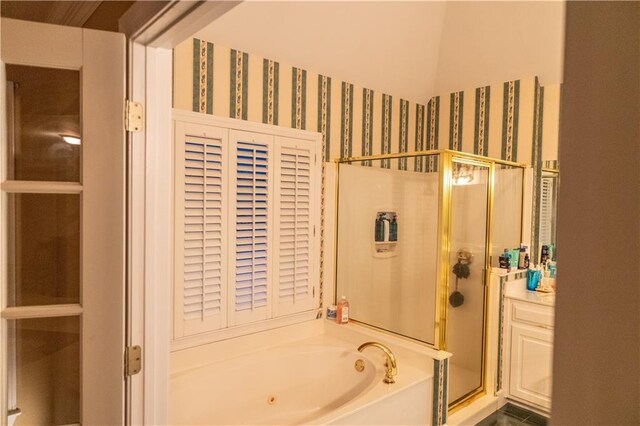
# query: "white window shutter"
[[546, 211], [296, 215], [251, 191], [201, 270]]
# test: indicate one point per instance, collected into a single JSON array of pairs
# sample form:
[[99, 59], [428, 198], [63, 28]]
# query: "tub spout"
[[392, 366]]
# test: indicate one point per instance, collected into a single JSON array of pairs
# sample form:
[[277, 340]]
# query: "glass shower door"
[[467, 274]]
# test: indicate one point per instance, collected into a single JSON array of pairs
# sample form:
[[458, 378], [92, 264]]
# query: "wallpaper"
[[501, 120], [496, 120]]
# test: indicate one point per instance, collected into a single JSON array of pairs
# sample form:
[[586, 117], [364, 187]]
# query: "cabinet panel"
[[531, 364], [533, 314]]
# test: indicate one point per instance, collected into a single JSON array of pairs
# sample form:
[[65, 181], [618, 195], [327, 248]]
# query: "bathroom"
[[277, 171]]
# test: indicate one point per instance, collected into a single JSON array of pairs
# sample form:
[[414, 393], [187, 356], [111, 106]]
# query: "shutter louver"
[[295, 241], [546, 211], [246, 210], [294, 226], [202, 229], [252, 192], [200, 239]]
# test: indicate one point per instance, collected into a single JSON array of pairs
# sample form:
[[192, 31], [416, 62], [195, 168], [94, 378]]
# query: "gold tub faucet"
[[392, 366]]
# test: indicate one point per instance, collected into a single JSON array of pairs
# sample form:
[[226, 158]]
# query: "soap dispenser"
[[342, 315], [393, 229], [379, 228]]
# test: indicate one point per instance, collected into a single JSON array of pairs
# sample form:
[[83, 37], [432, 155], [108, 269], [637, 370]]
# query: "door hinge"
[[133, 116], [132, 360]]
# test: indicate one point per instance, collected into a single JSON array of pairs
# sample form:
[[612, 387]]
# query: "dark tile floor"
[[511, 415]]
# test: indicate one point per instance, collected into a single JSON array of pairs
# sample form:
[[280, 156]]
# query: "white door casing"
[[100, 57]]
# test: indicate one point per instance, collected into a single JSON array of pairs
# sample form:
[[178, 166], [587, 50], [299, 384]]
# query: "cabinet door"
[[531, 358]]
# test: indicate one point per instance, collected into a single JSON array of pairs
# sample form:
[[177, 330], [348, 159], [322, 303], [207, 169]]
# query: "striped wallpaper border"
[[346, 121], [404, 132], [270, 91], [440, 397], [510, 120], [455, 120], [298, 98], [433, 131], [481, 127], [419, 138], [239, 84], [202, 76], [385, 140], [324, 114], [367, 124]]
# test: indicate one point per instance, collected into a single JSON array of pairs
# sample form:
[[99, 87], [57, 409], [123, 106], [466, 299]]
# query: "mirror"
[[547, 212]]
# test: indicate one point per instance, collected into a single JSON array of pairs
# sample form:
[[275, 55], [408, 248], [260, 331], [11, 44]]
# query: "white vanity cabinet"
[[529, 335]]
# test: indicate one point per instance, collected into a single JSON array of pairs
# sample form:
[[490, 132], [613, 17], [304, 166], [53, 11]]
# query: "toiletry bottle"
[[379, 229], [521, 256], [544, 254], [505, 260], [526, 261], [393, 229], [342, 314]]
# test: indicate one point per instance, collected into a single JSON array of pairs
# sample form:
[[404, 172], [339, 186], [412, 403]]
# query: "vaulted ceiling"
[[410, 49]]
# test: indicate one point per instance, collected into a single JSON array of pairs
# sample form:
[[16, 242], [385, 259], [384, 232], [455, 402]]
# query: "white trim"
[[151, 222], [242, 330], [158, 263], [62, 48], [44, 311], [167, 24], [5, 388], [32, 187], [135, 238], [243, 125]]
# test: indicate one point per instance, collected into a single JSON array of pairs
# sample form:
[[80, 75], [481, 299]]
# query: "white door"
[[63, 225], [531, 364]]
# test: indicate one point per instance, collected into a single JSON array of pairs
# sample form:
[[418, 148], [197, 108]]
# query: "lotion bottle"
[[342, 314]]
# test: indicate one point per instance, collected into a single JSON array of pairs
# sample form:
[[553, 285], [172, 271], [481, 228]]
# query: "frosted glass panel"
[[506, 232], [387, 245], [44, 249], [43, 106], [43, 370], [465, 317]]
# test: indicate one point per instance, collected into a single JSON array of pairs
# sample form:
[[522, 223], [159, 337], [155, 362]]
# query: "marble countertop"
[[517, 289]]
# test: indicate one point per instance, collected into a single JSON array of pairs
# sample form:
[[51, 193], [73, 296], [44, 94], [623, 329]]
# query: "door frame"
[[153, 29]]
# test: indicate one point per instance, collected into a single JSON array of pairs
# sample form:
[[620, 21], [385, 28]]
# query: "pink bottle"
[[342, 315]]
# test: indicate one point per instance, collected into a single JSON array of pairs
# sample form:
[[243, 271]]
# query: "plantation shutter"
[[200, 240], [252, 234], [546, 211], [295, 243]]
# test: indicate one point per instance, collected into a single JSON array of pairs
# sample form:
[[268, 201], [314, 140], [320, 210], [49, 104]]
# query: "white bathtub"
[[313, 381]]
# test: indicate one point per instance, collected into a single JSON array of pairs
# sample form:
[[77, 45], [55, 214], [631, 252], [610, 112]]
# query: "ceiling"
[[414, 49], [372, 44], [98, 15]]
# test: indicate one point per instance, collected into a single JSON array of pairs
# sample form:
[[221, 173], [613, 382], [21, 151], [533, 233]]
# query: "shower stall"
[[417, 235]]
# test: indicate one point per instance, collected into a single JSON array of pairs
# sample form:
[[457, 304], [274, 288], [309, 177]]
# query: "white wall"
[[596, 364], [485, 42], [395, 293], [383, 45]]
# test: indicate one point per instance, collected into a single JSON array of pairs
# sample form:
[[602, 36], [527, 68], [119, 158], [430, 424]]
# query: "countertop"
[[517, 289]]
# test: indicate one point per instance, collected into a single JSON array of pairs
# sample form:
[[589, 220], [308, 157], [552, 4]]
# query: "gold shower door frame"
[[446, 158]]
